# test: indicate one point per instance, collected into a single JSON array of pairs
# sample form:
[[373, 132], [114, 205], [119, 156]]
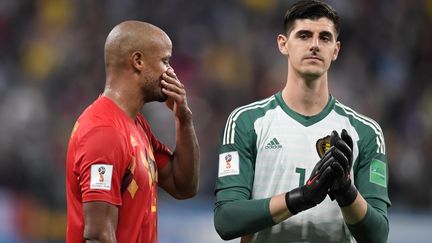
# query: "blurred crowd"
[[225, 52]]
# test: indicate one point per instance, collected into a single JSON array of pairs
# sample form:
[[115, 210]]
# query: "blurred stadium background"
[[51, 67]]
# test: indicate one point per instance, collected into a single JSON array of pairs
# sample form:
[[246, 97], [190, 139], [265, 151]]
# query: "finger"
[[326, 164], [172, 78], [319, 177], [170, 72], [326, 156], [343, 161], [326, 176], [173, 87], [347, 138], [341, 158], [338, 170], [178, 98], [344, 148], [334, 137]]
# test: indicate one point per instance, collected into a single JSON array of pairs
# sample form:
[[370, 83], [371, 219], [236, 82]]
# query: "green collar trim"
[[302, 119]]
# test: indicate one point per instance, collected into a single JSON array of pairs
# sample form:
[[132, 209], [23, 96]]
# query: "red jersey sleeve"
[[161, 152], [102, 159]]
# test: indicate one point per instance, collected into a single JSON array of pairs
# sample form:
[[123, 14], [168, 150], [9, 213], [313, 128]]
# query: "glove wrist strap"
[[346, 198], [296, 202]]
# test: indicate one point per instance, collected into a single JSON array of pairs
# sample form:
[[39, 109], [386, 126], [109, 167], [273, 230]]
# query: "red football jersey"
[[113, 158]]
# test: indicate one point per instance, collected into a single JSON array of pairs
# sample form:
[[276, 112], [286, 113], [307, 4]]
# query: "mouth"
[[313, 58]]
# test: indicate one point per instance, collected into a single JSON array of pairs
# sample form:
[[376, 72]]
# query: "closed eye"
[[303, 34], [303, 37], [166, 61], [326, 36]]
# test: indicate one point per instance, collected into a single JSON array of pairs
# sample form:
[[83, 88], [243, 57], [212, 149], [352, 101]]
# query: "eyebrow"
[[326, 33], [303, 32], [308, 32], [167, 57]]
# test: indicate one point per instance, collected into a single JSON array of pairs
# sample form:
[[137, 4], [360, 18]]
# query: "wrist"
[[346, 197], [185, 116]]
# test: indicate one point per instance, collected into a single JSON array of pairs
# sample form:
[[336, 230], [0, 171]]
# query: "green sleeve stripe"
[[233, 116], [368, 122], [361, 117], [228, 137], [365, 120]]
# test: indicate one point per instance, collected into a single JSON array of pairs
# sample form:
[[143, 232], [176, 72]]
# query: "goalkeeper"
[[270, 187]]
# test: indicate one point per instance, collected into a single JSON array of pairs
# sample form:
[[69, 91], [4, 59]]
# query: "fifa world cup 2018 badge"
[[101, 171], [228, 159]]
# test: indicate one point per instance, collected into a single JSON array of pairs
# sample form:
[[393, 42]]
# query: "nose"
[[314, 45]]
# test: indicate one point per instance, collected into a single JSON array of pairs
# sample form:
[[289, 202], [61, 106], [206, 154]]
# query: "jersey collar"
[[302, 119], [115, 108]]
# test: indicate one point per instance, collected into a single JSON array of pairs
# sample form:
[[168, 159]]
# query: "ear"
[[282, 44], [336, 51], [137, 60]]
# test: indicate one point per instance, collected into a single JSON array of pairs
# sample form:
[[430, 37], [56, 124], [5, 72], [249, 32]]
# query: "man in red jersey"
[[114, 163]]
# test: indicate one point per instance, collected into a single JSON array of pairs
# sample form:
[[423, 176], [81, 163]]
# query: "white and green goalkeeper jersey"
[[270, 149]]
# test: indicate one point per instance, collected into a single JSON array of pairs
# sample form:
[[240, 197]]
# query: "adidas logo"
[[273, 144]]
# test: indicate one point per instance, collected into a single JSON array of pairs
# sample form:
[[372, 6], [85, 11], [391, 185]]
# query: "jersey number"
[[302, 173]]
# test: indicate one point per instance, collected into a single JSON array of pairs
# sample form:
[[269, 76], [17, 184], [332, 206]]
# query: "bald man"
[[114, 162]]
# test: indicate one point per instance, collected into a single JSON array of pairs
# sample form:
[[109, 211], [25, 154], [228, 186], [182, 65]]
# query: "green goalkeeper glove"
[[342, 189]]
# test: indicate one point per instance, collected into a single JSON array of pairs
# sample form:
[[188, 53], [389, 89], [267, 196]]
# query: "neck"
[[125, 98], [306, 96]]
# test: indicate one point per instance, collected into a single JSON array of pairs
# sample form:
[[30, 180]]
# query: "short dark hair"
[[310, 9]]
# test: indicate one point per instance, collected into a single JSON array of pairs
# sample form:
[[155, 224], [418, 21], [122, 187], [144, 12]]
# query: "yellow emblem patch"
[[323, 145]]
